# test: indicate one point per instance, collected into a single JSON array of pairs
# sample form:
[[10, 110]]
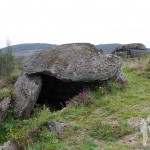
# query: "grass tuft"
[[110, 132]]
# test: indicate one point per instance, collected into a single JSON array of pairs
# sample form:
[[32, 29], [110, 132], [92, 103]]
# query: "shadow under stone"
[[54, 92]]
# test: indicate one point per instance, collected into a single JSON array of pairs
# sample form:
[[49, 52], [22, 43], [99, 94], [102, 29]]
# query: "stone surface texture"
[[73, 62], [57, 127], [4, 106], [8, 146], [27, 89]]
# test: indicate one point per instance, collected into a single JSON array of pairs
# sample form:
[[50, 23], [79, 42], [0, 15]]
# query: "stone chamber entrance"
[[54, 92]]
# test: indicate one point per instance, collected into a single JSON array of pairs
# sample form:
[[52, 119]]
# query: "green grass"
[[5, 127], [43, 136], [7, 83], [86, 130], [110, 132], [6, 92]]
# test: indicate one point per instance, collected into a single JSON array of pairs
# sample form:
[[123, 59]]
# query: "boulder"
[[27, 89], [4, 105], [133, 50], [134, 121], [139, 46], [50, 74], [73, 62], [57, 127], [8, 146]]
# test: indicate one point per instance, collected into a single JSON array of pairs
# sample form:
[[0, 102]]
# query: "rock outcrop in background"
[[131, 50]]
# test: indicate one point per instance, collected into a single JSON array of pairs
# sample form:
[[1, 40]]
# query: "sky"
[[71, 21]]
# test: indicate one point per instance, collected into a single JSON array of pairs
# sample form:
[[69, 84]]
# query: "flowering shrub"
[[82, 99]]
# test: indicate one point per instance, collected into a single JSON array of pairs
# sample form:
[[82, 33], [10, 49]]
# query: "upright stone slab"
[[4, 105], [27, 89]]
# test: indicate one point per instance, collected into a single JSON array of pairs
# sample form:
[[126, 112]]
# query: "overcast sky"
[[67, 21]]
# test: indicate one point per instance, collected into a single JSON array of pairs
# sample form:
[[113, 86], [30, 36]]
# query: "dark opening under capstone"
[[54, 92]]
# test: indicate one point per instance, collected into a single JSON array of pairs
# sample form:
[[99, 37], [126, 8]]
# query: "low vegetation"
[[6, 62], [110, 132], [101, 122], [9, 71]]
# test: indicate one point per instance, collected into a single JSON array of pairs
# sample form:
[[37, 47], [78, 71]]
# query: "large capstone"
[[53, 76]]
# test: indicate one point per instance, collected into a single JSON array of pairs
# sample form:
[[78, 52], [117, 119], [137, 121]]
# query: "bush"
[[6, 62]]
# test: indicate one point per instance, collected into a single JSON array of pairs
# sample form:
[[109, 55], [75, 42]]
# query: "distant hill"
[[30, 46], [21, 51], [108, 48]]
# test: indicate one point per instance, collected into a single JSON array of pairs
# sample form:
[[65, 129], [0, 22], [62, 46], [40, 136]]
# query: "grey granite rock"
[[4, 105], [8, 146], [57, 127], [27, 89], [73, 62]]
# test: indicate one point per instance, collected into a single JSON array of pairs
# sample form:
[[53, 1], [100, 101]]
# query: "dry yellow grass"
[[3, 82], [137, 64]]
